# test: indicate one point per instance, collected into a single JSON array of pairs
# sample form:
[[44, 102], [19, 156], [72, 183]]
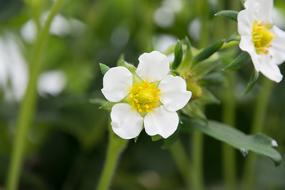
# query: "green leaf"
[[208, 52], [253, 79], [178, 55], [237, 62], [104, 68], [258, 143], [230, 14]]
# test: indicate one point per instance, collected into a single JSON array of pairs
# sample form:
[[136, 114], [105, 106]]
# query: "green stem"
[[229, 160], [197, 161], [203, 12], [257, 127], [182, 161], [229, 111], [197, 138], [28, 105], [115, 149]]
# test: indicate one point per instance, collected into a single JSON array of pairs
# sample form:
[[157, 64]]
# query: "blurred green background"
[[67, 141]]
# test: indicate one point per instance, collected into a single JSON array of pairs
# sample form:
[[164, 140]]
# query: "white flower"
[[147, 99], [261, 39]]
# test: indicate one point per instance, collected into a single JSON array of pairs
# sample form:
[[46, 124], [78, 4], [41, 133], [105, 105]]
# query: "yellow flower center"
[[144, 97], [261, 37]]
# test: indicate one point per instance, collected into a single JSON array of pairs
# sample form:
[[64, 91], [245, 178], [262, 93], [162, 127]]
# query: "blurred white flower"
[[261, 39], [148, 98], [163, 42], [194, 29], [165, 15], [13, 69], [14, 73], [60, 26], [51, 82]]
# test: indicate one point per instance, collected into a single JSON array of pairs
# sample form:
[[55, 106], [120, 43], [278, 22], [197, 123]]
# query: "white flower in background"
[[14, 73], [261, 39], [148, 98], [60, 26], [51, 83]]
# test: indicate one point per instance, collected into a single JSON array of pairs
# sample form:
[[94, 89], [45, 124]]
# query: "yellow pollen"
[[144, 96], [261, 37]]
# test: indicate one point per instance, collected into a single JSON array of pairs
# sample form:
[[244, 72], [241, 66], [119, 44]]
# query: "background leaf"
[[258, 143]]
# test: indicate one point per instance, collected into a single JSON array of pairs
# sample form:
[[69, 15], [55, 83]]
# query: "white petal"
[[116, 83], [267, 67], [247, 45], [245, 20], [174, 94], [153, 66], [126, 122], [161, 122], [271, 71], [277, 49], [262, 9]]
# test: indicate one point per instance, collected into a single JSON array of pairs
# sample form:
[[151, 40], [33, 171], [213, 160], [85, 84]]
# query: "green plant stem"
[[203, 12], [115, 149], [202, 8], [182, 161], [229, 160], [197, 161], [28, 105], [229, 110], [257, 127]]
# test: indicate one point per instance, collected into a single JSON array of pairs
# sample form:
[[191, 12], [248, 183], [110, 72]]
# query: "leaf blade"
[[258, 143]]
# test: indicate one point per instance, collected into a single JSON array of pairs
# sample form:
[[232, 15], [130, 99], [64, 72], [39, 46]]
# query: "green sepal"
[[208, 52], [209, 98], [105, 105], [178, 55], [156, 138], [252, 81], [104, 68], [240, 60], [123, 63], [213, 79], [230, 14], [204, 68], [188, 53], [194, 110]]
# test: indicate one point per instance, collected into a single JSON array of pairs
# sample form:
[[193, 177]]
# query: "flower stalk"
[[115, 148], [229, 161], [229, 115], [182, 161], [257, 127], [28, 106]]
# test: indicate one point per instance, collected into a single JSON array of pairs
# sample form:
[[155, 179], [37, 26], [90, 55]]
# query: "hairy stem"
[[257, 127], [229, 160], [182, 161], [115, 149], [28, 105], [197, 157]]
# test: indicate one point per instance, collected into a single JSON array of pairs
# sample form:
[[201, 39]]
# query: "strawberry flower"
[[148, 98], [261, 39]]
